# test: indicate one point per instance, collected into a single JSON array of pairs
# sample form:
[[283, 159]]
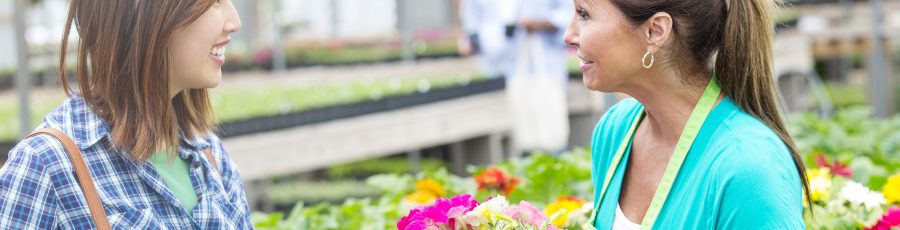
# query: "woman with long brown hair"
[[133, 147], [702, 144]]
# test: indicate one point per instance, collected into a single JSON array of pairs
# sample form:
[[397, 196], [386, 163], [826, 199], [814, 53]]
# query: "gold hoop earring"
[[644, 59]]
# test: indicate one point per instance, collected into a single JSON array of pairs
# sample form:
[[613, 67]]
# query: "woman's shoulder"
[[758, 184], [38, 151], [751, 156], [742, 138], [74, 119]]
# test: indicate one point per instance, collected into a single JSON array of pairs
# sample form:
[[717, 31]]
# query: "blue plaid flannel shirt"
[[38, 189]]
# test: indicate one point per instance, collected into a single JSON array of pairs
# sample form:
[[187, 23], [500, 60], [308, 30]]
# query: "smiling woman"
[[138, 131], [702, 144]]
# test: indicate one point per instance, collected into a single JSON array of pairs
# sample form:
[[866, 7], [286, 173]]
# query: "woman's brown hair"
[[736, 36], [123, 70]]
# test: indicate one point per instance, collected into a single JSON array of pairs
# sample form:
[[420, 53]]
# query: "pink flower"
[[527, 214], [412, 221], [890, 219], [464, 200], [442, 212]]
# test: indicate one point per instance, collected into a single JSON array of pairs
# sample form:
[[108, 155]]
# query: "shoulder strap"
[[212, 160], [84, 176]]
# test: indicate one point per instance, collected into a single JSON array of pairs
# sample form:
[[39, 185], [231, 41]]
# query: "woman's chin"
[[593, 84], [212, 81]]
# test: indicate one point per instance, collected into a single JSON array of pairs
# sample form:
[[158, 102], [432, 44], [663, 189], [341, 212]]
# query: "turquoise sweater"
[[737, 175]]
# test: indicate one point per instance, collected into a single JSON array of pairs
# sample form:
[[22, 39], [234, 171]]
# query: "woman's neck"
[[668, 102]]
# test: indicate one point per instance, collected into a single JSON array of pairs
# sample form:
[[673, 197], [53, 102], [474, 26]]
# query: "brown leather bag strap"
[[84, 176], [212, 160]]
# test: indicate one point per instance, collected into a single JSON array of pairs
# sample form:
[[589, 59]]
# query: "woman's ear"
[[658, 30]]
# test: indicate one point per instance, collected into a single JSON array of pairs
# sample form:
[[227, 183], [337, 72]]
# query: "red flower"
[[837, 168], [496, 179]]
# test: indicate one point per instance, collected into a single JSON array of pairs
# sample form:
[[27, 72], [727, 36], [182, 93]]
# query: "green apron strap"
[[615, 163], [695, 122]]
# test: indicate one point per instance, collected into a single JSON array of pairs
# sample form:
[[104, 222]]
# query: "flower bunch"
[[464, 213], [496, 180]]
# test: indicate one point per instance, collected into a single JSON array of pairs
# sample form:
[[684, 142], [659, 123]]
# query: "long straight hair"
[[735, 35], [123, 70]]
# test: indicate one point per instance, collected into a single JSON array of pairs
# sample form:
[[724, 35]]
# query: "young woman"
[[142, 121], [701, 145]]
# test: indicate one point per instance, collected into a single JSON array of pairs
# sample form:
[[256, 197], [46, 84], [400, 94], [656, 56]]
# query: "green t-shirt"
[[176, 174]]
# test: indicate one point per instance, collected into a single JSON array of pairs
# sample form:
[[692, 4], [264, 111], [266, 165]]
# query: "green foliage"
[[352, 214], [367, 168], [9, 115], [242, 104], [872, 146], [239, 104], [317, 192], [846, 96], [547, 177], [321, 54]]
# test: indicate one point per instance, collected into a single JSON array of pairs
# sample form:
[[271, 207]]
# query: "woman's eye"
[[582, 14]]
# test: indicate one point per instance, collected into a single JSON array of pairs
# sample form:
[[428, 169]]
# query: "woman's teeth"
[[217, 51]]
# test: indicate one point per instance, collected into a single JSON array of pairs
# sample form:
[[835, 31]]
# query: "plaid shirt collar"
[[86, 128]]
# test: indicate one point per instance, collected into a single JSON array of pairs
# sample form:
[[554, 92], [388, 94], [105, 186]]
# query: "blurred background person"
[[537, 76], [484, 25]]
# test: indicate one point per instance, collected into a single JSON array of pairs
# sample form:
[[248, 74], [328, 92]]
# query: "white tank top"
[[621, 222]]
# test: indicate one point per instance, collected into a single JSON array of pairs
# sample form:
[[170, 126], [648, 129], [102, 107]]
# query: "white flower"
[[474, 219], [858, 194], [837, 206], [486, 212], [874, 200], [854, 192]]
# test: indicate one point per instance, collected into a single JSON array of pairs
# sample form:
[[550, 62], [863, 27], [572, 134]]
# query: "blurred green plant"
[[845, 96], [246, 103], [338, 53], [366, 168], [872, 146], [335, 191], [240, 104]]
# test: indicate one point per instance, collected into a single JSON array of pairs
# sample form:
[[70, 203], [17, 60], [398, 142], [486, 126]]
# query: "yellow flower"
[[420, 197], [569, 204], [431, 186], [427, 190], [891, 190], [819, 183]]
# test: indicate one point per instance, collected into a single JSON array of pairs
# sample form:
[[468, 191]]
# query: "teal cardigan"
[[737, 175]]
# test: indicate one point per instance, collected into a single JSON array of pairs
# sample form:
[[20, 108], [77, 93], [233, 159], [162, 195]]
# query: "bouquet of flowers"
[[463, 212]]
